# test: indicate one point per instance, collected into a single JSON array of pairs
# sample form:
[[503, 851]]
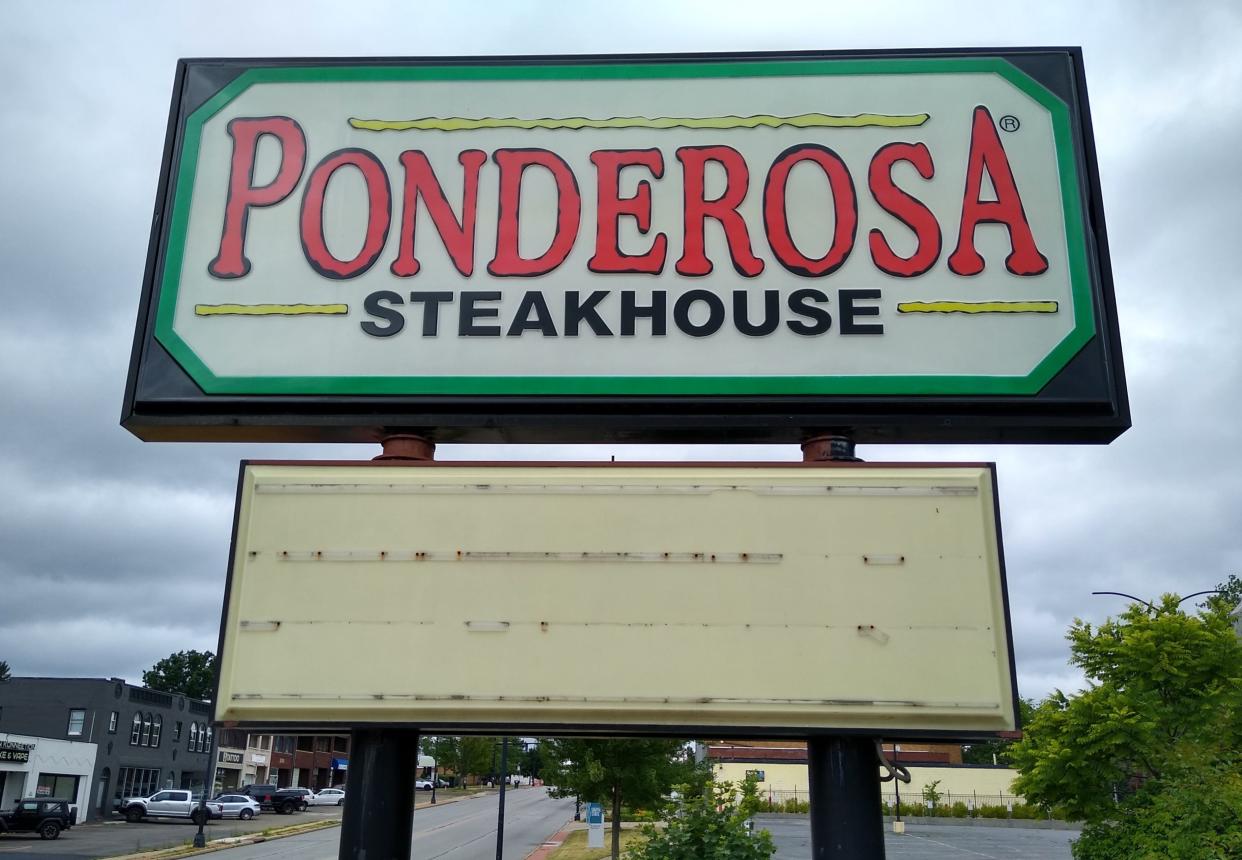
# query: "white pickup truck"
[[170, 803]]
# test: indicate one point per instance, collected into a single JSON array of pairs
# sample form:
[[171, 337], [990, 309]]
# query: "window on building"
[[77, 719], [177, 732], [323, 744], [146, 730], [136, 782], [157, 726], [135, 731], [340, 743], [113, 719], [207, 741], [193, 736]]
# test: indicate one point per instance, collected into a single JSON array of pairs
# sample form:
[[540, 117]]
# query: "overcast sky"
[[113, 551]]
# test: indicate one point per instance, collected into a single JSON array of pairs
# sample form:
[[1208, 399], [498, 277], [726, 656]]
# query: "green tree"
[[708, 820], [997, 751], [1161, 716], [532, 761], [446, 750], [637, 772], [5, 674], [1228, 593], [190, 673], [478, 756]]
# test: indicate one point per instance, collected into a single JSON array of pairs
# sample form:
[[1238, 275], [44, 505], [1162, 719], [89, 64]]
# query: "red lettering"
[[844, 208], [379, 213], [987, 153], [723, 209], [230, 261], [905, 208], [457, 236], [508, 261], [611, 206]]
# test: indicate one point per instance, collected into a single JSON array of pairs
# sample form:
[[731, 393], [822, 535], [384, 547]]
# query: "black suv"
[[283, 800], [288, 800], [42, 816]]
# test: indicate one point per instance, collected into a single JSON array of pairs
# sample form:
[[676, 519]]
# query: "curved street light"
[[1152, 606]]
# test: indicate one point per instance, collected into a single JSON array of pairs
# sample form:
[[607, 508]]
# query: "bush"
[[991, 810], [708, 821], [1195, 815], [960, 810]]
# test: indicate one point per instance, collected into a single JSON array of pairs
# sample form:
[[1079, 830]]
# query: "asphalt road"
[[465, 830], [933, 842], [114, 838]]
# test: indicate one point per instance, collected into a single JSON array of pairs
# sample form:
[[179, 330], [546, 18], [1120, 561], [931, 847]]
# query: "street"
[[464, 830]]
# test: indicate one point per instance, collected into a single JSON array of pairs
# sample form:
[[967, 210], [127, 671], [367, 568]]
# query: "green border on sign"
[[1057, 358]]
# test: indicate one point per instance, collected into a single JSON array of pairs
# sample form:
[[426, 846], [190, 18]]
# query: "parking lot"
[[112, 838], [792, 835]]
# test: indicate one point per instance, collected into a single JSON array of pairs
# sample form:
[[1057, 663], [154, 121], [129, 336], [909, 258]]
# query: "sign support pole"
[[379, 806], [846, 813]]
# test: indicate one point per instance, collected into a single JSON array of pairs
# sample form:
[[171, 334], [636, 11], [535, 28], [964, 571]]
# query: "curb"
[[549, 845]]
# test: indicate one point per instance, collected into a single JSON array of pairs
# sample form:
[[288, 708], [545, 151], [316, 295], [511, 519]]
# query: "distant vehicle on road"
[[423, 784], [327, 797], [238, 806], [170, 803], [43, 816]]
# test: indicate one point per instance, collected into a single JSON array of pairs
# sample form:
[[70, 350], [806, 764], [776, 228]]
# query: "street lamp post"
[[200, 838], [500, 816]]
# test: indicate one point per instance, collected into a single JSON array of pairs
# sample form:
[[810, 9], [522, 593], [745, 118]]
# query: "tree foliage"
[[637, 772], [708, 820], [1162, 713], [5, 673], [997, 751], [190, 673]]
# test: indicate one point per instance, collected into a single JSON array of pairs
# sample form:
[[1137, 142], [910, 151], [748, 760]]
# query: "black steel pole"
[[847, 818], [500, 816], [378, 821], [200, 838]]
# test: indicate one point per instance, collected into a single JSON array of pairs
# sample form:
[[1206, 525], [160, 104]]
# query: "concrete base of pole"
[[378, 821]]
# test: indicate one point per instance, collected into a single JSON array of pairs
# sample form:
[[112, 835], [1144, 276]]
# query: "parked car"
[[38, 815], [422, 784], [262, 792], [238, 806], [283, 800], [289, 800], [327, 797], [170, 803]]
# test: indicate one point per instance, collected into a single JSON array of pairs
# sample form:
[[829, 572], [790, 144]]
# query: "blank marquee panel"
[[649, 598]]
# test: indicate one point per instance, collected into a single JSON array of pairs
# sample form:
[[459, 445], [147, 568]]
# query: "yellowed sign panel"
[[644, 598]]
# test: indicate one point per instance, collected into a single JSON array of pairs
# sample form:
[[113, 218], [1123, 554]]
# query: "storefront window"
[[58, 785], [137, 782]]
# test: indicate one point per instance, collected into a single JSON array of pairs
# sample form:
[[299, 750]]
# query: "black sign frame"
[[1085, 402]]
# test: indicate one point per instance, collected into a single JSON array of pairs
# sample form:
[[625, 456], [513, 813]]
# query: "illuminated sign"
[[721, 600], [801, 231]]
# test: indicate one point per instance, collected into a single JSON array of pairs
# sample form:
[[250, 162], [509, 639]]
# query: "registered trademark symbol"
[[1009, 122]]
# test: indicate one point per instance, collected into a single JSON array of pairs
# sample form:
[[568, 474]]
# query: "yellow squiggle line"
[[806, 120], [268, 310], [977, 307]]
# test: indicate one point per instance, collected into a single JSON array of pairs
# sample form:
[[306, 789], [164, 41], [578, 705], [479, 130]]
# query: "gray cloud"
[[112, 552]]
